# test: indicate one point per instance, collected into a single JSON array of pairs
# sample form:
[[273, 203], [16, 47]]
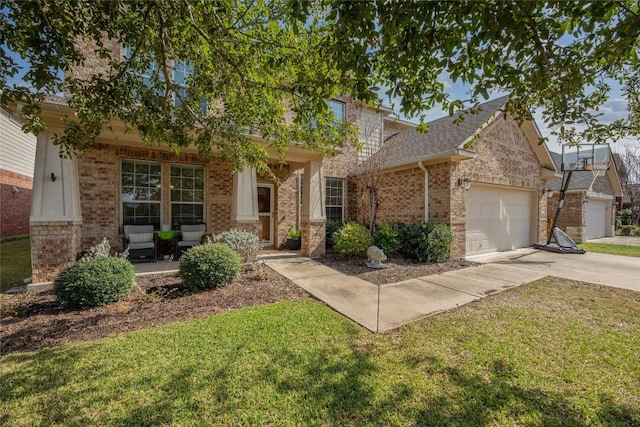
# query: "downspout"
[[426, 191]]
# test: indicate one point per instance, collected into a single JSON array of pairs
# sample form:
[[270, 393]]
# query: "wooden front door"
[[265, 212]]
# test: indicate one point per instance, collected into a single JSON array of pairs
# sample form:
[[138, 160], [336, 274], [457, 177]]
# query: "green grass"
[[553, 352], [607, 248], [15, 262]]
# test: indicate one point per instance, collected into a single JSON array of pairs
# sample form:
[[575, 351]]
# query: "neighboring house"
[[17, 154], [483, 177], [589, 207]]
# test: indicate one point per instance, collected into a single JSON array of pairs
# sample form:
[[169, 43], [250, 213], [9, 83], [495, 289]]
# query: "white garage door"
[[597, 211], [497, 219]]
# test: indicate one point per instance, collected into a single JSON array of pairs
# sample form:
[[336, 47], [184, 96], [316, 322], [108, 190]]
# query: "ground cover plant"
[[612, 249], [15, 262], [553, 352]]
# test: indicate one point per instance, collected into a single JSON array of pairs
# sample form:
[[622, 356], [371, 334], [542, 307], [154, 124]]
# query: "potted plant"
[[293, 239]]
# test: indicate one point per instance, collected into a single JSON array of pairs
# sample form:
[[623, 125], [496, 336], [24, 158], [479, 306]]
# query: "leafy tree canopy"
[[266, 66], [557, 56], [185, 73]]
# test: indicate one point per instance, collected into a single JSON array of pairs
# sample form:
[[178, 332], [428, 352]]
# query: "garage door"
[[597, 211], [497, 219]]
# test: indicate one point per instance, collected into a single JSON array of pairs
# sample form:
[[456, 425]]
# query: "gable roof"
[[582, 180], [444, 136], [447, 137]]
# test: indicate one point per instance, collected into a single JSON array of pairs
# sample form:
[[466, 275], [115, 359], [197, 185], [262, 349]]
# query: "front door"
[[265, 212]]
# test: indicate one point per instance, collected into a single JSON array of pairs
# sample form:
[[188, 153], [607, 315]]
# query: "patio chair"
[[190, 235], [141, 242]]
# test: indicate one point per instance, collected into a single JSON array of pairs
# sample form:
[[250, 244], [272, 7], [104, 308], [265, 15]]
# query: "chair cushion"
[[192, 236], [140, 237], [189, 242], [142, 245]]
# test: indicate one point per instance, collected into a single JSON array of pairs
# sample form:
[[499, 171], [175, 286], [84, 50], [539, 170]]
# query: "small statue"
[[375, 257]]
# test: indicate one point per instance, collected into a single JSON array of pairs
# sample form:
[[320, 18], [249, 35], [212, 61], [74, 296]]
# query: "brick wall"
[[503, 157], [94, 64], [15, 206], [572, 219], [54, 246], [99, 176]]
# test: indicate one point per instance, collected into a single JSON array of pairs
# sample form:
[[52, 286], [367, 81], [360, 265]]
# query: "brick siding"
[[54, 246], [15, 206]]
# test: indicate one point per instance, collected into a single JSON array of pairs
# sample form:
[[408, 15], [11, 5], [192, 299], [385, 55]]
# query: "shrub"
[[211, 265], [246, 244], [625, 217], [102, 250], [330, 230], [352, 239], [386, 238], [94, 283], [427, 242], [629, 230]]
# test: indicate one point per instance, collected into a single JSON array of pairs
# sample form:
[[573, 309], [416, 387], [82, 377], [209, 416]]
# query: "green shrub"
[[246, 244], [330, 230], [629, 230], [94, 283], [102, 250], [427, 242], [625, 217], [386, 238], [352, 239], [211, 265]]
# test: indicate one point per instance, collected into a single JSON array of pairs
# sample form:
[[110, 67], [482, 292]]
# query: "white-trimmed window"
[[141, 192], [338, 108], [334, 202], [187, 195]]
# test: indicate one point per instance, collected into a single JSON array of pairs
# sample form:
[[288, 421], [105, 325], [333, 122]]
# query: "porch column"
[[55, 211], [313, 217], [244, 207]]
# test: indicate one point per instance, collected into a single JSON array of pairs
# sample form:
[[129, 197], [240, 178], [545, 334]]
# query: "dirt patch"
[[33, 321], [396, 269]]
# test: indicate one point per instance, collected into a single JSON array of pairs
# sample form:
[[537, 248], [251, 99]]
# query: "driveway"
[[610, 270]]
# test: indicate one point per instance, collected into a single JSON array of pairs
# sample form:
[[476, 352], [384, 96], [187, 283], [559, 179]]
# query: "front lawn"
[[15, 263], [553, 352], [612, 249]]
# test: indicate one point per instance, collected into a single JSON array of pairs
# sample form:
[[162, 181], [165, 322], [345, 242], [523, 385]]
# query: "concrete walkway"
[[386, 307]]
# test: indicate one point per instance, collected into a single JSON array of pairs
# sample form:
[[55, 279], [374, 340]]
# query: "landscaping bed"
[[35, 320]]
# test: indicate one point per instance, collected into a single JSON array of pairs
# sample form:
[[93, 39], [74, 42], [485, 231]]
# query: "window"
[[338, 110], [187, 195], [334, 188], [181, 71], [141, 192]]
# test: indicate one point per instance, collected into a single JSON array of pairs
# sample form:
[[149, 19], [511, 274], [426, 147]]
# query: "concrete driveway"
[[610, 270]]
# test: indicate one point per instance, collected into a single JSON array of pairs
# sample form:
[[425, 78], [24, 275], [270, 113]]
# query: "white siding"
[[17, 149], [371, 128]]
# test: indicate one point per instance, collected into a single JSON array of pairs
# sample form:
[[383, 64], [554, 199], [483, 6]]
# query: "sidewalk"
[[386, 307]]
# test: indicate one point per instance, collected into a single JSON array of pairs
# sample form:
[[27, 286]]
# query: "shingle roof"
[[444, 136], [580, 180]]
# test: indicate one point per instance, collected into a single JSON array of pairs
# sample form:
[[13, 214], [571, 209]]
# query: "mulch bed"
[[34, 320]]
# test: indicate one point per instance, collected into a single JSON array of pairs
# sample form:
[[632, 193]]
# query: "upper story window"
[[181, 70], [338, 109]]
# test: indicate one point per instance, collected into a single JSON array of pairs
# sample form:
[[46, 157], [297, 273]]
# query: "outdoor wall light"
[[464, 182], [548, 192], [53, 177]]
